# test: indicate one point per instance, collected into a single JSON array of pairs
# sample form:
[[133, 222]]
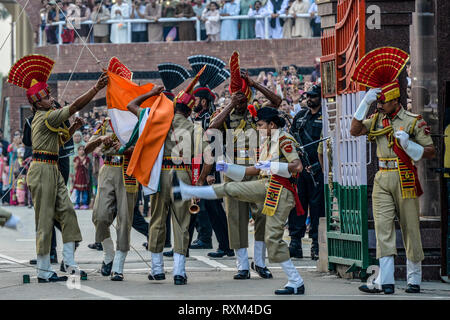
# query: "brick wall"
[[145, 57]]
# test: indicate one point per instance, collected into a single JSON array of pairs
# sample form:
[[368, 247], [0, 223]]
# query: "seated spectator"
[[153, 11], [81, 185], [199, 7], [186, 30], [301, 27], [211, 17], [119, 11], [275, 8], [138, 30], [315, 19], [229, 28], [100, 14], [247, 29], [259, 10]]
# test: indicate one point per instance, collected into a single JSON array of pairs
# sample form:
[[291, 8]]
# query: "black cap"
[[315, 91], [269, 114]]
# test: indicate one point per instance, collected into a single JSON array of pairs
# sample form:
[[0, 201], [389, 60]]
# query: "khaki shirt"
[[43, 138], [282, 150], [404, 119], [105, 130]]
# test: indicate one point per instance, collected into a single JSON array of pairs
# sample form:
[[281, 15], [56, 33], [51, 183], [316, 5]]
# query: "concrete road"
[[207, 278]]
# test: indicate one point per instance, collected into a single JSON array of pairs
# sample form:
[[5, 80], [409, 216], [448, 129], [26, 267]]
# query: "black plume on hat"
[[213, 68], [172, 75]]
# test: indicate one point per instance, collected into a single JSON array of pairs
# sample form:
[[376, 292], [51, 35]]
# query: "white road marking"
[[96, 292], [210, 262], [7, 258]]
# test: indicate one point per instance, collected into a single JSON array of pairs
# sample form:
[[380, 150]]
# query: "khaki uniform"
[[387, 198], [4, 216], [113, 198], [238, 223], [161, 201], [255, 192], [49, 192]]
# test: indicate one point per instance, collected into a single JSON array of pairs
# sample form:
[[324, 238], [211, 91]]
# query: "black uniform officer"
[[306, 128]]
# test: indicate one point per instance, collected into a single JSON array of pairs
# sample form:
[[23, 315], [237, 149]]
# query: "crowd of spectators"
[[212, 27]]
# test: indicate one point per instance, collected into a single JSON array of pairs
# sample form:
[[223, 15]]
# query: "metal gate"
[[345, 185]]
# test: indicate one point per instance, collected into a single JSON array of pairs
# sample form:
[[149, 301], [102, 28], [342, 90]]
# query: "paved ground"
[[207, 278]]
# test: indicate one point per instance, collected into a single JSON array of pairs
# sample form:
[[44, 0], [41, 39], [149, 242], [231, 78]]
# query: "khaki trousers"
[[51, 202], [255, 192], [159, 206], [4, 216], [113, 199], [238, 216], [388, 204]]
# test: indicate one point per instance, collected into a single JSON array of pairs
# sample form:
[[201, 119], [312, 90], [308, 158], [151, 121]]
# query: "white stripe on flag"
[[123, 123]]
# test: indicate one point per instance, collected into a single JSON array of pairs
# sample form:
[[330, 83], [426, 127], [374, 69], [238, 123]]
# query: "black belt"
[[45, 157]]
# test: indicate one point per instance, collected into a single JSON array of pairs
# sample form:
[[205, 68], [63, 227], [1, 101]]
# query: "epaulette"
[[409, 113]]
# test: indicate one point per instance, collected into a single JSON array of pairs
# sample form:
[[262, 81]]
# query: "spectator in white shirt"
[[259, 10], [119, 11], [315, 22]]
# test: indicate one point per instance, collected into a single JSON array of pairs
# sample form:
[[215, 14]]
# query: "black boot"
[[412, 288], [53, 278], [385, 288], [290, 290], [117, 276], [106, 269], [263, 272], [179, 280], [159, 276], [242, 275], [220, 253], [96, 246]]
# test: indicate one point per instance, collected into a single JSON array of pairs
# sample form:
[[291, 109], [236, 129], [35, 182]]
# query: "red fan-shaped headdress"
[[380, 68], [32, 73], [236, 81], [186, 96], [117, 67]]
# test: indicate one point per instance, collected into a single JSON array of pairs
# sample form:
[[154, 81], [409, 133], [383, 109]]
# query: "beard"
[[311, 104]]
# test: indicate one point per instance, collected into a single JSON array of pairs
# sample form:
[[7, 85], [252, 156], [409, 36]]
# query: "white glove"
[[412, 149], [365, 103], [263, 165], [233, 171], [12, 222], [402, 137]]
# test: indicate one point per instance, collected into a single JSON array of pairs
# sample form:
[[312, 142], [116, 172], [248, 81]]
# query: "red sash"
[[292, 188], [404, 158]]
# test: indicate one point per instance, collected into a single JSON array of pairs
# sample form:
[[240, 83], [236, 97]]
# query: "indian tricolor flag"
[[153, 126]]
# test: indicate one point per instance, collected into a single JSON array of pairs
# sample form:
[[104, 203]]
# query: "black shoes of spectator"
[[314, 252], [170, 253], [242, 275], [263, 272], [96, 246], [179, 280], [199, 244], [385, 288], [290, 290], [220, 253], [412, 288], [106, 269], [53, 278], [159, 276], [117, 276]]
